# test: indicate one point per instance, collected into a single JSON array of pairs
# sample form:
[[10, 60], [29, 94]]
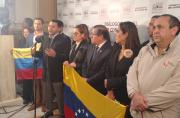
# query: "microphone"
[[37, 45]]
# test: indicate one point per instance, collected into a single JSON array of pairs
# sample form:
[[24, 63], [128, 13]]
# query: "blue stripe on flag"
[[75, 104], [27, 63]]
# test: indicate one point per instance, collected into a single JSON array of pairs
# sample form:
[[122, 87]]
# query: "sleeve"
[[116, 82], [167, 95], [132, 76], [84, 65], [63, 48], [80, 56], [93, 80]]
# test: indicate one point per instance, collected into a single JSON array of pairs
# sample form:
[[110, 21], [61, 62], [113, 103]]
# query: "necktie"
[[95, 53]]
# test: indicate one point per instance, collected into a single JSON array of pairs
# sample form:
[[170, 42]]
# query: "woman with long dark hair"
[[124, 51]]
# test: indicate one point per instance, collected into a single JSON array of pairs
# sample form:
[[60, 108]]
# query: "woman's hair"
[[83, 29], [132, 42], [28, 28]]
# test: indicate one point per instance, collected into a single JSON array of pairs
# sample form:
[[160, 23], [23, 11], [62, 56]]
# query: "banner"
[[83, 101], [111, 12], [24, 64]]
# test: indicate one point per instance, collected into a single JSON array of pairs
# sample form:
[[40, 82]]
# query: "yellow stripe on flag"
[[96, 103], [22, 53]]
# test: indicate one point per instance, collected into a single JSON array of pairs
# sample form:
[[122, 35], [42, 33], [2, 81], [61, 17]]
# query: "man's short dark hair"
[[42, 21], [59, 23], [102, 30], [173, 22]]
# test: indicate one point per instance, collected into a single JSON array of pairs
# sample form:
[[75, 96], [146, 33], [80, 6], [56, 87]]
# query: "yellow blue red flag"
[[24, 64], [83, 101]]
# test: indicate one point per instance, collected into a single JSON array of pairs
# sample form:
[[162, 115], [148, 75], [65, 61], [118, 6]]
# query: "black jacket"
[[116, 74], [78, 56], [94, 70], [53, 67]]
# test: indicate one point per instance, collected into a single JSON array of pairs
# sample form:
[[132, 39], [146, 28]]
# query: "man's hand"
[[73, 65], [66, 63], [138, 102], [110, 95], [85, 79], [50, 52]]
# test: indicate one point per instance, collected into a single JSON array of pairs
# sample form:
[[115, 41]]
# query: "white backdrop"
[[2, 3], [111, 12]]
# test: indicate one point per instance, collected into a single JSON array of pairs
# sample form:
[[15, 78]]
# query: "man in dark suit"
[[55, 50], [96, 58]]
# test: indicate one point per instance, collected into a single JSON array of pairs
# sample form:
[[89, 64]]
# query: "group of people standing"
[[148, 86]]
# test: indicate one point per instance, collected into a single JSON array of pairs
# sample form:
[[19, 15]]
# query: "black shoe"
[[47, 114]]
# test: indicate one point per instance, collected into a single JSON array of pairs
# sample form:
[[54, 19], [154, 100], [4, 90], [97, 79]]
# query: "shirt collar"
[[152, 45], [100, 45], [77, 44], [52, 37]]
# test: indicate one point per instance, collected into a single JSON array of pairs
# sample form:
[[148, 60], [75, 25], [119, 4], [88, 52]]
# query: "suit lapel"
[[91, 50], [77, 48], [99, 54]]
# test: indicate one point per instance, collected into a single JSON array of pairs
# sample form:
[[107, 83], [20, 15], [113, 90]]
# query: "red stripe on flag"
[[26, 74], [68, 112]]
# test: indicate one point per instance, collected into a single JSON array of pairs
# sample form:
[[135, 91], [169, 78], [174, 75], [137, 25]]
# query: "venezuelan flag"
[[83, 101], [24, 64]]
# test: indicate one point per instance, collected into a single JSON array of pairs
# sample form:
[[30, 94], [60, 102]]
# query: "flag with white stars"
[[83, 101]]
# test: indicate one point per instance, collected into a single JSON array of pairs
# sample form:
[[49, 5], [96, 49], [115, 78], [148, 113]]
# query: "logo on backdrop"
[[65, 3], [112, 26], [65, 25], [103, 13], [127, 11], [71, 14], [77, 2], [140, 9], [59, 15], [77, 13], [157, 8], [85, 13], [71, 1], [65, 14], [71, 26], [93, 12], [173, 6]]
